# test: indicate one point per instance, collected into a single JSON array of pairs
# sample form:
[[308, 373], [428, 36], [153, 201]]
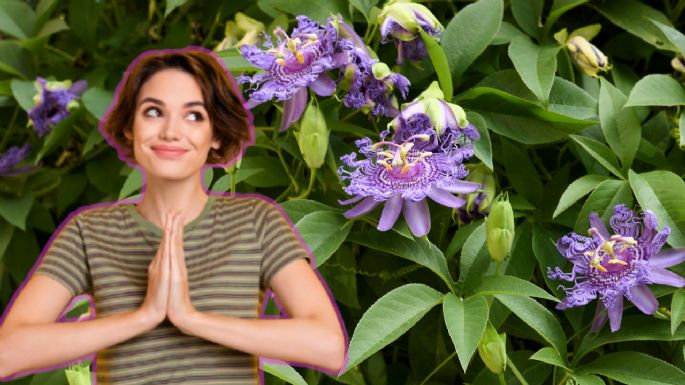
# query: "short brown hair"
[[231, 120]]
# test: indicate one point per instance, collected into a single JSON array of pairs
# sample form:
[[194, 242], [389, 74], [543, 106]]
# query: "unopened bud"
[[78, 374], [492, 349], [678, 64], [589, 58], [313, 137], [499, 229], [479, 201]]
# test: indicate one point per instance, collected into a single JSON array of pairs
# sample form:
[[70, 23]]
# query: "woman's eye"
[[152, 111], [196, 116]]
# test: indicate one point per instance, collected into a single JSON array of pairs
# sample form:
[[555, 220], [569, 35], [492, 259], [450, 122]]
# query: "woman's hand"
[[179, 306], [154, 305]]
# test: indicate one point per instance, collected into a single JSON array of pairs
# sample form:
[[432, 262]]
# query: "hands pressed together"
[[168, 294]]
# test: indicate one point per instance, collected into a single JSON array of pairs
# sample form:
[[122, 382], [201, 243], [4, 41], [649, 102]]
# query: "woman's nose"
[[170, 129]]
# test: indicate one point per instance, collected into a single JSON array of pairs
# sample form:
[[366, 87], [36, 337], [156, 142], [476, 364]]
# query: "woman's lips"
[[168, 153]]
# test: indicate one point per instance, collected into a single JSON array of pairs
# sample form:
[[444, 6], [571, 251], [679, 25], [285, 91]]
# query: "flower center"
[[397, 159], [611, 255], [294, 47]]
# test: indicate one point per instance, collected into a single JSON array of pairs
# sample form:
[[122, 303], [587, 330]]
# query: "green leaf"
[[518, 118], [171, 5], [535, 64], [576, 190], [133, 183], [538, 318], [469, 32], [677, 309], [235, 62], [559, 7], [57, 135], [474, 248], [602, 201], [324, 232], [388, 318], [634, 368], [507, 32], [549, 356], [319, 11], [620, 125], [15, 60], [419, 250], [15, 210], [587, 379], [6, 231], [483, 145], [600, 152], [285, 372], [439, 60], [53, 26], [528, 14], [299, 208], [364, 6], [662, 192], [633, 328], [96, 100], [568, 99], [265, 171], [23, 91], [508, 284], [545, 251], [465, 320], [521, 172], [657, 90], [633, 16], [682, 131], [17, 19], [673, 35], [84, 18]]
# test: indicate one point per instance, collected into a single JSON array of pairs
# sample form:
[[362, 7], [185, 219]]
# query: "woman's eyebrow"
[[161, 103]]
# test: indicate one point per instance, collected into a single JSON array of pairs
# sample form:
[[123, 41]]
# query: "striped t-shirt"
[[232, 250]]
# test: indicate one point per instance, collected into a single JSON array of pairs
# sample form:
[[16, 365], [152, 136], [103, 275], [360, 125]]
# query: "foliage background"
[[561, 143]]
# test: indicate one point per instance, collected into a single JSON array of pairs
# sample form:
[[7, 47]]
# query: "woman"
[[178, 276]]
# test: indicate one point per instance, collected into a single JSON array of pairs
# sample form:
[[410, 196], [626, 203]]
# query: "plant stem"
[[293, 181], [312, 177], [563, 380], [10, 130], [59, 52], [516, 372], [446, 360], [502, 381]]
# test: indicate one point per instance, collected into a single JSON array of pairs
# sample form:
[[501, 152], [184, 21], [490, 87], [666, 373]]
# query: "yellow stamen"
[[300, 57], [384, 163]]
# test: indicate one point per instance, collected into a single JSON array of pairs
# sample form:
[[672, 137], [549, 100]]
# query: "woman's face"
[[172, 133]]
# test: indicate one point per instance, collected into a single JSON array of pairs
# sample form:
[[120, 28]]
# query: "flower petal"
[[667, 258], [355, 198], [461, 187], [391, 212], [364, 207], [445, 198], [665, 277], [596, 222], [616, 313], [417, 216], [293, 109], [643, 299], [600, 318], [323, 86]]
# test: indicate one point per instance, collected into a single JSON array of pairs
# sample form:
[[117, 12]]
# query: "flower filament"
[[398, 157], [294, 45], [608, 247]]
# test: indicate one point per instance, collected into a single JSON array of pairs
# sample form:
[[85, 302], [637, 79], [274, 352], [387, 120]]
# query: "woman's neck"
[[161, 197]]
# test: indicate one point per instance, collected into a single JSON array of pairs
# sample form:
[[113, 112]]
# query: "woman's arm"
[[312, 335], [34, 346]]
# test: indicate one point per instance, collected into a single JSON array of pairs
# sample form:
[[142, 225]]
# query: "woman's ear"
[[216, 144]]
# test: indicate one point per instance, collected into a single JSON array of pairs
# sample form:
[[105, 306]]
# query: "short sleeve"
[[65, 259], [278, 240]]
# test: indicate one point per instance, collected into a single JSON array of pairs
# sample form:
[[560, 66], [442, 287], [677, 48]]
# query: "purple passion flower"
[[402, 173], [609, 267], [295, 63], [401, 20], [13, 156], [53, 101]]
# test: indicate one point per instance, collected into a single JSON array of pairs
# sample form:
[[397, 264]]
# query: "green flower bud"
[[404, 12], [432, 103], [78, 374], [589, 58], [492, 349], [678, 64], [244, 30], [499, 229], [313, 137]]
